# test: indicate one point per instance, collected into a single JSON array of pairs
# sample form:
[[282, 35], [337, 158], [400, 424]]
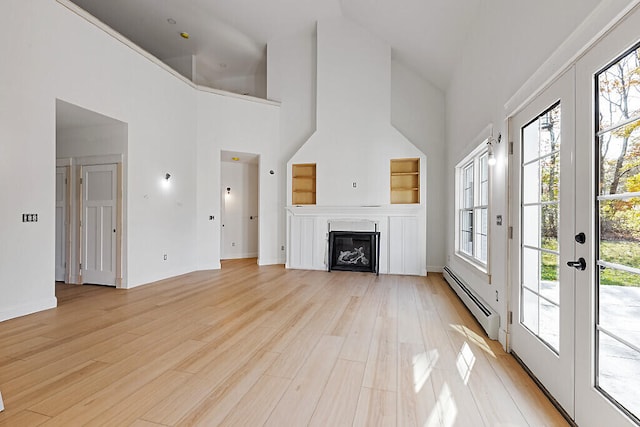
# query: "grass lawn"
[[619, 252]]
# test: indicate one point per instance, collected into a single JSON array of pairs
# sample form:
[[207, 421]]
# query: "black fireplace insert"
[[354, 251]]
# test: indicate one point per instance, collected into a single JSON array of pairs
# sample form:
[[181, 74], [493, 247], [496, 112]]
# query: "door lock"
[[580, 264], [581, 238]]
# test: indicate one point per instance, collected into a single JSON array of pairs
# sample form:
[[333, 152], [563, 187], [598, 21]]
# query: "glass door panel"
[[540, 215], [617, 329]]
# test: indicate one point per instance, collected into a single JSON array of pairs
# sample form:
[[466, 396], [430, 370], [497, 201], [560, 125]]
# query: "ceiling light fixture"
[[184, 35]]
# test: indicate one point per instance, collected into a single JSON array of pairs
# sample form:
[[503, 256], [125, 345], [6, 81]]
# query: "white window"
[[472, 196]]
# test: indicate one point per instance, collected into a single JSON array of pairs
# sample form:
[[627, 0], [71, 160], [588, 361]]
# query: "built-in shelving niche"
[[405, 181], [303, 184]]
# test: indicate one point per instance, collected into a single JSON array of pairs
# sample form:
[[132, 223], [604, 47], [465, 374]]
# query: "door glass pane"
[[619, 372], [540, 217], [618, 247]]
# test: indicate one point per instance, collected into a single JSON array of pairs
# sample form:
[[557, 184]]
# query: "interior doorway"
[[91, 152], [239, 205]]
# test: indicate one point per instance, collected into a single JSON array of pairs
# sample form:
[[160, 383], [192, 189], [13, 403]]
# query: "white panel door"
[[61, 223], [543, 218], [99, 203]]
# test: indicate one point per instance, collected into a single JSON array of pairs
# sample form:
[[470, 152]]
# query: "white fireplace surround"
[[402, 235]]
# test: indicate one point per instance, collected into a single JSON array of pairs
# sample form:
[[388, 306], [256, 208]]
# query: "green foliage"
[[618, 252], [624, 253]]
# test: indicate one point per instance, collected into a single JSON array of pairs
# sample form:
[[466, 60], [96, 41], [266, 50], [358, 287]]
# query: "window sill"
[[480, 268]]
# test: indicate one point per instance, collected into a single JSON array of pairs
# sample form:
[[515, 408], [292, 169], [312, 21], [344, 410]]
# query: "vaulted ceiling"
[[228, 38]]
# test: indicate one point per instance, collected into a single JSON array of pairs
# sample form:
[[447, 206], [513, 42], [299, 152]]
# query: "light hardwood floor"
[[252, 346]]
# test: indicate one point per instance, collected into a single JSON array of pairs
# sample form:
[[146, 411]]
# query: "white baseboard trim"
[[29, 308], [434, 268], [262, 261]]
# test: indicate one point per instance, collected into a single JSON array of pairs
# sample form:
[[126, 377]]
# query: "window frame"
[[473, 160]]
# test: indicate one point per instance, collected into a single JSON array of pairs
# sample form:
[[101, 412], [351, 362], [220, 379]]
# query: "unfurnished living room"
[[305, 212]]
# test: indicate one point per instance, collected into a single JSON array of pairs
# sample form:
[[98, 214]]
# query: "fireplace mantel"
[[402, 235], [356, 211]]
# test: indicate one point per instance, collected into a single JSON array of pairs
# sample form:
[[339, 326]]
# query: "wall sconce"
[[491, 157], [228, 190], [167, 176]]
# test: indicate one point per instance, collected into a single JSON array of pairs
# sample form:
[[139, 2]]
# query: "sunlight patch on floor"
[[478, 340], [423, 364], [445, 410], [465, 361]]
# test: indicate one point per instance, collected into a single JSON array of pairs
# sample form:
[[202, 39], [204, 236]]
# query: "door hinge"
[[80, 266], [510, 147], [510, 317], [65, 181], [511, 232], [81, 181]]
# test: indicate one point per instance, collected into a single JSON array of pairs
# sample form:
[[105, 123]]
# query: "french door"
[[543, 218], [575, 209]]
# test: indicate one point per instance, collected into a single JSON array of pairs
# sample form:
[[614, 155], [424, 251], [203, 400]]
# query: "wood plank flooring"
[[253, 346]]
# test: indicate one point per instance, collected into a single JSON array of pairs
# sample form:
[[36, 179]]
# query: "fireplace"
[[354, 251]]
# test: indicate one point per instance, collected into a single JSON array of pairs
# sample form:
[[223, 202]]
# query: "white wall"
[[240, 211], [252, 85], [354, 140], [55, 54], [508, 43], [231, 124], [417, 111]]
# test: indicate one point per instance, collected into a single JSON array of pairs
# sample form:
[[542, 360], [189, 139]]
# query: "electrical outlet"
[[164, 257], [233, 243], [496, 296], [282, 248], [211, 217], [355, 185]]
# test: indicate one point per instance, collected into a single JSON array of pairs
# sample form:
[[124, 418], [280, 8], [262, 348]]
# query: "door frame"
[[67, 165], [255, 160]]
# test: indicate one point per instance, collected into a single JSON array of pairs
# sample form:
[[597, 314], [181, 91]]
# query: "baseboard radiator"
[[488, 319]]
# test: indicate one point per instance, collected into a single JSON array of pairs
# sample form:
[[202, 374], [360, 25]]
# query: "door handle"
[[580, 264]]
